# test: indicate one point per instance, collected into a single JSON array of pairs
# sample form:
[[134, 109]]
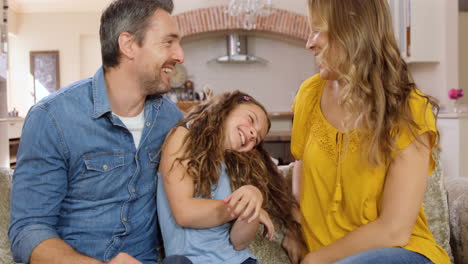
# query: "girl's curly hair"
[[205, 153]]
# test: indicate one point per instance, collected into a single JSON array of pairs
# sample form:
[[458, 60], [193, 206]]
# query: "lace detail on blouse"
[[327, 137]]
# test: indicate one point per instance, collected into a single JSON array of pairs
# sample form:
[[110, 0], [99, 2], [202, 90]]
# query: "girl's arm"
[[247, 199], [243, 233], [188, 211], [402, 198]]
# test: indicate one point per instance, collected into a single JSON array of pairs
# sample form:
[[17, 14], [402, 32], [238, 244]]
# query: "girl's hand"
[[293, 247], [244, 202], [268, 227]]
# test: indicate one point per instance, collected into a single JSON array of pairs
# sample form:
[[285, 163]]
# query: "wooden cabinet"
[[418, 26], [15, 125], [4, 147], [185, 106], [453, 129], [13, 147], [278, 140], [10, 133], [278, 144]]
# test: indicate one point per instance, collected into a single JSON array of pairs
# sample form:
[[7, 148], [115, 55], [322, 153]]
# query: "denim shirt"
[[80, 178]]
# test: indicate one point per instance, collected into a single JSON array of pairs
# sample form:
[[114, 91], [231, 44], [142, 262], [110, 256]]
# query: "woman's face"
[[316, 42], [245, 127]]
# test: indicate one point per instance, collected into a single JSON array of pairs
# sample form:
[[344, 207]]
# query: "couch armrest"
[[457, 191], [5, 185]]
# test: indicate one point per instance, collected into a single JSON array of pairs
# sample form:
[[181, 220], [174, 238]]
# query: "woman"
[[218, 148], [363, 134]]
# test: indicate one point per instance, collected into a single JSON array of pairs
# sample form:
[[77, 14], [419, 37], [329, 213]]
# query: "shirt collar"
[[100, 97]]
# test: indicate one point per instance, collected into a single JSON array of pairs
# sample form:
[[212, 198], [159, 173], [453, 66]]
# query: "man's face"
[[158, 54]]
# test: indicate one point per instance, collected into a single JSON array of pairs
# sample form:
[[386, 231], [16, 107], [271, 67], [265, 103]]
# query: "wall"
[[76, 38], [76, 34], [298, 6], [449, 60], [273, 84], [59, 31], [463, 70], [437, 78]]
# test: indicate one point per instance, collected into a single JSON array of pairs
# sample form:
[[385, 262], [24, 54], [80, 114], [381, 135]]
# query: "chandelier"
[[248, 11]]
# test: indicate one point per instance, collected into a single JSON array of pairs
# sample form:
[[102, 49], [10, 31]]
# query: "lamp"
[[250, 10]]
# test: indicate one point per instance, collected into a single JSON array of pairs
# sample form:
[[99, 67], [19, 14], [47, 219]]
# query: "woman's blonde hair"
[[376, 81], [205, 153]]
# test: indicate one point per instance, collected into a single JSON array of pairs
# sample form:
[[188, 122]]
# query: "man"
[[84, 188]]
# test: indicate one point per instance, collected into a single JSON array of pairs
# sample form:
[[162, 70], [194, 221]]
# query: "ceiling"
[[77, 6], [32, 6]]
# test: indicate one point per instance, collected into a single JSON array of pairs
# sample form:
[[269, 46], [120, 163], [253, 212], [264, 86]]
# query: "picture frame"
[[45, 70]]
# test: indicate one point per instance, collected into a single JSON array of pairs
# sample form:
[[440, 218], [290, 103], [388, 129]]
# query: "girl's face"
[[245, 127]]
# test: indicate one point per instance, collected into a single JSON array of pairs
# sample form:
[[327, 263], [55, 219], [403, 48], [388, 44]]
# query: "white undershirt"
[[134, 125]]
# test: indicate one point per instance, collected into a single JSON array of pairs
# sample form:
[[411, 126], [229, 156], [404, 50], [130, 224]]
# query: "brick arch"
[[214, 19]]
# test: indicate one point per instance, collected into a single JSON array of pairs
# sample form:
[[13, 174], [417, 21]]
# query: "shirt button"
[[125, 219], [133, 190], [105, 167], [148, 124]]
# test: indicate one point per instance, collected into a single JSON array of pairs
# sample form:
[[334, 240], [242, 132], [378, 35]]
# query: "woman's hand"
[[245, 202], [268, 227], [293, 247]]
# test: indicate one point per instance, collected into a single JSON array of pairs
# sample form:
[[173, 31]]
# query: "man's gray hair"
[[130, 16]]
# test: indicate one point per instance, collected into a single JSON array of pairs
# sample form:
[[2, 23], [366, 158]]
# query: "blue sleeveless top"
[[201, 246]]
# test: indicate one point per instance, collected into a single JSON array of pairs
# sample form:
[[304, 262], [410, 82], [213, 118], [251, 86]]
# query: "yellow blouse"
[[339, 191]]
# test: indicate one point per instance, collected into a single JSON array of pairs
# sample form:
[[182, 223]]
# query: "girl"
[[218, 148], [363, 134]]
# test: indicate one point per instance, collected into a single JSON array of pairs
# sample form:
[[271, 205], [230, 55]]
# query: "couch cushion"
[[267, 251], [457, 189], [436, 207], [5, 183], [271, 252]]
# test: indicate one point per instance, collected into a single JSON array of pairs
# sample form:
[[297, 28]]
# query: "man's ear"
[[127, 44]]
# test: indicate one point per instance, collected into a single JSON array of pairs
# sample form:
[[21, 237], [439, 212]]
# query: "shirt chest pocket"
[[103, 162], [102, 176], [154, 156]]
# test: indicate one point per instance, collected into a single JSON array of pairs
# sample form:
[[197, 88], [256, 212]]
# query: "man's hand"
[[245, 202], [123, 258], [293, 247]]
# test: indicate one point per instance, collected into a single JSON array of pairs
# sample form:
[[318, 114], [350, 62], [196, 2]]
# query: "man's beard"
[[153, 86]]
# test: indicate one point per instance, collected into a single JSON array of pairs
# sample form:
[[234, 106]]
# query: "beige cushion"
[[436, 207], [5, 183], [267, 251], [457, 189]]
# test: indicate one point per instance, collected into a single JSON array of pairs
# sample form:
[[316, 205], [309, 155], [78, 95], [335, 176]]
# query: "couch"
[[5, 183], [446, 205]]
